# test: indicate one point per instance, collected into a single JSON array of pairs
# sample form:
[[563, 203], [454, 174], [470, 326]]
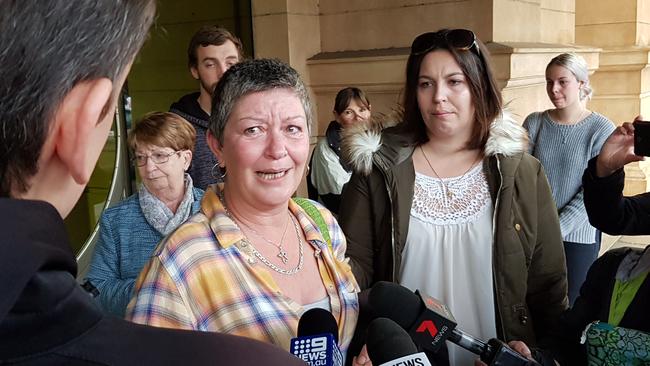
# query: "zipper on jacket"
[[494, 243], [392, 228], [383, 169]]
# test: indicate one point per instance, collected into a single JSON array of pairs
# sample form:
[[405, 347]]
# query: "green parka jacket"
[[530, 286]]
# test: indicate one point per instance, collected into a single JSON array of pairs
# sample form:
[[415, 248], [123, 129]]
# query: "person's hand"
[[518, 346], [362, 359], [618, 150], [522, 348]]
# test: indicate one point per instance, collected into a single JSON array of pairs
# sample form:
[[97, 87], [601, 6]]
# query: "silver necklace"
[[572, 121], [259, 255], [566, 128], [283, 271], [282, 254], [445, 188]]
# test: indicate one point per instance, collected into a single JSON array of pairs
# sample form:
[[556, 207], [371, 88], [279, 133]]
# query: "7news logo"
[[428, 326], [428, 332]]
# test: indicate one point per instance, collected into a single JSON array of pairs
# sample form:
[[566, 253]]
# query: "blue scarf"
[[159, 215]]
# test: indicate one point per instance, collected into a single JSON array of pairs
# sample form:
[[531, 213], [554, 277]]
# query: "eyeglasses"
[[459, 39], [157, 158]]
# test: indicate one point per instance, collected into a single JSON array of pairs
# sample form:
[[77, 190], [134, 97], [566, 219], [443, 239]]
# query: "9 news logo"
[[311, 349]]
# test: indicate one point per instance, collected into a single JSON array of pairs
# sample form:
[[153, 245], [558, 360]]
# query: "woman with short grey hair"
[[253, 260], [564, 139]]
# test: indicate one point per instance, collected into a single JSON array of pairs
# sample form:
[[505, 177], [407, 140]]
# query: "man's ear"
[[215, 147], [78, 120], [195, 72]]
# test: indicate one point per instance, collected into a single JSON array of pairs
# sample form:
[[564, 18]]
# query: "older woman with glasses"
[[253, 260], [450, 202], [129, 231]]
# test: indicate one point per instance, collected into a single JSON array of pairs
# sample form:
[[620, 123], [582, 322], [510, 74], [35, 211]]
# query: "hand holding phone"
[[641, 138], [618, 149]]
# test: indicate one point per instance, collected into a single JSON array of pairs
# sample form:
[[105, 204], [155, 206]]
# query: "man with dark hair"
[[211, 52], [62, 65]]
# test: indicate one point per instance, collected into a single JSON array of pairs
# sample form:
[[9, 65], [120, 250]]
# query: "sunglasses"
[[459, 39]]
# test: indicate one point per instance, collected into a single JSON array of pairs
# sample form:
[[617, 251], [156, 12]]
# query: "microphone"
[[430, 324], [316, 343], [389, 345]]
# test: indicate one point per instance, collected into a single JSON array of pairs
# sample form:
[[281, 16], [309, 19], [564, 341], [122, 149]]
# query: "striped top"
[[205, 277], [564, 151]]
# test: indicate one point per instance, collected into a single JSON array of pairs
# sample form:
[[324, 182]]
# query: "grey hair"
[[578, 67], [46, 48], [252, 76]]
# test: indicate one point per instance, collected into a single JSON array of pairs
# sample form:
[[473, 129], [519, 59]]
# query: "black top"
[[189, 105], [203, 160], [333, 137], [608, 210], [614, 214], [46, 318]]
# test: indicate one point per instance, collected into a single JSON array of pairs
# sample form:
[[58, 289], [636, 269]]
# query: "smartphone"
[[641, 138]]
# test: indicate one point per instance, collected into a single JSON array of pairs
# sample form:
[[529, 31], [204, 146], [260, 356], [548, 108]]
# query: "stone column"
[[622, 83], [290, 31], [525, 36]]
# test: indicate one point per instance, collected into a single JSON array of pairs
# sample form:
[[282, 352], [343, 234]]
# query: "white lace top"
[[448, 252]]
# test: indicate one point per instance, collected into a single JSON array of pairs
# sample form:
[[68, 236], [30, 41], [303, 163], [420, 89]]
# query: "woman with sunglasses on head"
[[564, 139], [449, 201], [328, 173], [162, 144]]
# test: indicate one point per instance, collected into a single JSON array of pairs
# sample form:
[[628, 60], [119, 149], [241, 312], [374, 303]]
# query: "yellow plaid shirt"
[[205, 277]]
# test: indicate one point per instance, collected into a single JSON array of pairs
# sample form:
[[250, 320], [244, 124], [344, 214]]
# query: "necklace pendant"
[[282, 255], [450, 194]]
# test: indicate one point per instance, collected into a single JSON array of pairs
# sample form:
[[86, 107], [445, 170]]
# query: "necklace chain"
[[566, 132], [445, 188], [583, 113], [283, 271], [283, 254]]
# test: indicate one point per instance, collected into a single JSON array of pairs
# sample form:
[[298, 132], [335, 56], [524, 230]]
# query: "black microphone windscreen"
[[390, 300], [387, 341], [318, 321]]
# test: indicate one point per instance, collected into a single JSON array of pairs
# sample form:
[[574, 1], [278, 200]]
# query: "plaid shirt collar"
[[228, 232]]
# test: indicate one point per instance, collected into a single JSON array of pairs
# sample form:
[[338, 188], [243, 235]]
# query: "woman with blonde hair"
[[564, 139]]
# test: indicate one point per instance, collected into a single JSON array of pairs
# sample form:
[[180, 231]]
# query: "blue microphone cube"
[[317, 350]]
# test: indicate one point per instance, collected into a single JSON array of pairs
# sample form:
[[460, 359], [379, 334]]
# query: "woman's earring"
[[218, 172]]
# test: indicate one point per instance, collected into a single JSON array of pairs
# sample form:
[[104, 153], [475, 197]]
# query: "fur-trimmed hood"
[[360, 142]]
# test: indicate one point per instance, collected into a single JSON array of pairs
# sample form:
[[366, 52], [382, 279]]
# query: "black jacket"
[[330, 200], [46, 318], [608, 210], [203, 159], [614, 214]]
